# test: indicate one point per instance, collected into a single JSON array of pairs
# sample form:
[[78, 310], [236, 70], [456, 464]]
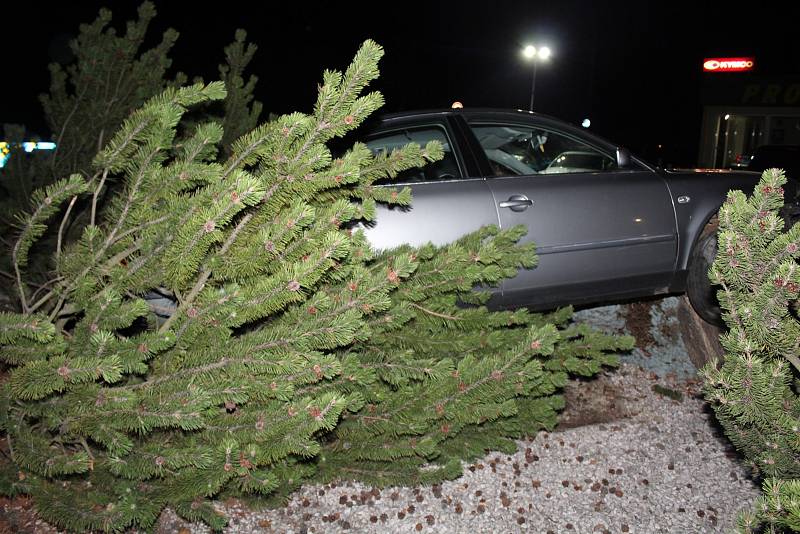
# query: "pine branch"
[[63, 225], [430, 312], [205, 274], [183, 364], [64, 126], [96, 194], [47, 201]]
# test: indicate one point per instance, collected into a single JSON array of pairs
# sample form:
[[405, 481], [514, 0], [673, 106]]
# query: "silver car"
[[606, 224]]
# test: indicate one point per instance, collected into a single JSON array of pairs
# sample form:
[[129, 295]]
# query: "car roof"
[[464, 111], [490, 114]]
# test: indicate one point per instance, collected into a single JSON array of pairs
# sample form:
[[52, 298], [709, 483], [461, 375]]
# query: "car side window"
[[523, 150], [444, 169]]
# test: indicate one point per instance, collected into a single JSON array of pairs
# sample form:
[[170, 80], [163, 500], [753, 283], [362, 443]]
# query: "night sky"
[[633, 68]]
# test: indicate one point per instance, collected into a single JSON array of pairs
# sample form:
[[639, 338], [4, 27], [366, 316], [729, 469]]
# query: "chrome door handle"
[[516, 203]]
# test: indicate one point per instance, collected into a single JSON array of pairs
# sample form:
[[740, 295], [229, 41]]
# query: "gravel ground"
[[663, 468]]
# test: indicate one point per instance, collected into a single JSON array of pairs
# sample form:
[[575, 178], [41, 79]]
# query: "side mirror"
[[623, 158]]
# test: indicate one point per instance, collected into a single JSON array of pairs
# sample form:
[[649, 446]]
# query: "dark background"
[[633, 68]]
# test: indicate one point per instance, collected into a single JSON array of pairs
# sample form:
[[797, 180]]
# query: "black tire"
[[702, 294]]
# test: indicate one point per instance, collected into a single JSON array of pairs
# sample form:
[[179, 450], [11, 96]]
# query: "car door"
[[600, 231], [448, 199]]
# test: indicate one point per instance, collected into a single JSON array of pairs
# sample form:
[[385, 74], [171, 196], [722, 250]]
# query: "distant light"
[[727, 116], [4, 150], [27, 146], [457, 105], [544, 52], [529, 52], [586, 123], [637, 219]]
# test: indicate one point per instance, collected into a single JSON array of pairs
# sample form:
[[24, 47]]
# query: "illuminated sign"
[[728, 64]]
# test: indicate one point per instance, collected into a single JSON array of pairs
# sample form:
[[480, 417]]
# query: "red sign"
[[728, 64]]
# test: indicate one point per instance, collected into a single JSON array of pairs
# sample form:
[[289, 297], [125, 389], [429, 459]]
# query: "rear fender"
[[697, 197]]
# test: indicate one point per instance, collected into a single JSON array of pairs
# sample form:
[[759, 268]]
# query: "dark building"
[[745, 110]]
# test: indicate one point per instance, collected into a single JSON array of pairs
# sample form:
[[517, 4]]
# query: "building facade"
[[745, 110]]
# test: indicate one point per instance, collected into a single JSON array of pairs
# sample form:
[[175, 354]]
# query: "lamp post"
[[535, 54]]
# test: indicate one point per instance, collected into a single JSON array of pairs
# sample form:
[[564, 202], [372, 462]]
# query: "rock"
[[700, 338]]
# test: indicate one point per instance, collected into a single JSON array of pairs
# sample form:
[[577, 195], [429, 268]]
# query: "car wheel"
[[702, 294]]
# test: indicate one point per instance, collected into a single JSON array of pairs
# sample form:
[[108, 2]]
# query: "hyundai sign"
[[728, 64]]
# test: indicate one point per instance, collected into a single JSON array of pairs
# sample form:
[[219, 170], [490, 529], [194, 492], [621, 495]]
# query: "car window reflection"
[[518, 150]]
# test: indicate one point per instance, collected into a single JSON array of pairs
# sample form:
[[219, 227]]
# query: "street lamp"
[[535, 54]]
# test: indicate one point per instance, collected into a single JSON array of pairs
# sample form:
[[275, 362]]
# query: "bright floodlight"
[[534, 54], [529, 52], [586, 123]]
